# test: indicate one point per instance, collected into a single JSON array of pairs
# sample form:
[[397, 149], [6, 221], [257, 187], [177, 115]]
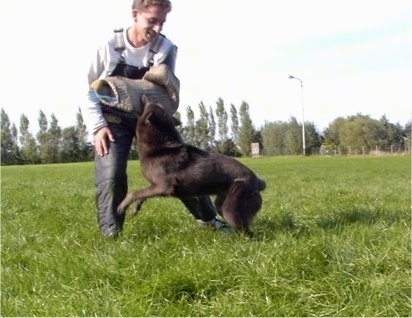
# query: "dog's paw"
[[136, 207], [121, 209]]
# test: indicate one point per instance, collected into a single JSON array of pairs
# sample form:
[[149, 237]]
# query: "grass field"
[[332, 239]]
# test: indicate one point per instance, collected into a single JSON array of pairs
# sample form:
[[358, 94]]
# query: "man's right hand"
[[101, 141]]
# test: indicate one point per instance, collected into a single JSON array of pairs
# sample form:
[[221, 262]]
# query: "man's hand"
[[101, 138]]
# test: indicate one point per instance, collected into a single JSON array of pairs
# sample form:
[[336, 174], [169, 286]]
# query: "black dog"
[[174, 168]]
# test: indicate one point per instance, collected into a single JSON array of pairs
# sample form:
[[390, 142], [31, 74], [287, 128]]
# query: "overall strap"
[[154, 48], [119, 45]]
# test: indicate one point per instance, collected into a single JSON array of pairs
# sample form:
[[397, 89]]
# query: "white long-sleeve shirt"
[[105, 61]]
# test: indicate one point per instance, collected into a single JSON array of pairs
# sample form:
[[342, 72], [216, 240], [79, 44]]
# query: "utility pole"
[[303, 116]]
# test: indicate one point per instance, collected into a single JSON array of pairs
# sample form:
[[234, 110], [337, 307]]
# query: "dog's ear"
[[148, 119], [176, 121]]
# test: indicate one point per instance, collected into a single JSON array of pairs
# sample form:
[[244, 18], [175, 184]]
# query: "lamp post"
[[303, 115]]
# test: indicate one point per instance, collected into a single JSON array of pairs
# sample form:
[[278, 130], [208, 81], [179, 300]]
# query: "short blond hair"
[[142, 5]]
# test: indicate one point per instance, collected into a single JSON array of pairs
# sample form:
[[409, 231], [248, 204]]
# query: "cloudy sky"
[[353, 56]]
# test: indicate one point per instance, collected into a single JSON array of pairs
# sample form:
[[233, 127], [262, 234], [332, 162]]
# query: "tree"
[[332, 135], [351, 136], [234, 123], [222, 129], [407, 136], [312, 137], [43, 138], [222, 117], [15, 140], [274, 137], [42, 134], [359, 133], [293, 138], [393, 134], [202, 128], [9, 150], [212, 128], [54, 135], [69, 145], [246, 129], [85, 147], [190, 130], [29, 150]]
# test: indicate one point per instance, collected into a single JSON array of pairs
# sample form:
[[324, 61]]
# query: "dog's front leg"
[[140, 196]]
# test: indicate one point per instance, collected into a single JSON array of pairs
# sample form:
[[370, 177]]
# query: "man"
[[130, 54]]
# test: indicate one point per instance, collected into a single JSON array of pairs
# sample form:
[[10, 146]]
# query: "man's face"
[[150, 22]]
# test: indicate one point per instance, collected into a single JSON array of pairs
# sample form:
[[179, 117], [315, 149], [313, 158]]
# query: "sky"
[[353, 56]]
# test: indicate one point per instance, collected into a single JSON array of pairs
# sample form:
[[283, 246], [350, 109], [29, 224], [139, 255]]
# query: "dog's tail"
[[252, 183]]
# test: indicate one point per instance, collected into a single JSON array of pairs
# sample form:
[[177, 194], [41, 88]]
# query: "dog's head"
[[156, 125]]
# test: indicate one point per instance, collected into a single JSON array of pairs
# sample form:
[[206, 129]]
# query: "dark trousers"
[[111, 177]]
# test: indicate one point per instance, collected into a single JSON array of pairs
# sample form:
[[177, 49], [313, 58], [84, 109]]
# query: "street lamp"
[[303, 115]]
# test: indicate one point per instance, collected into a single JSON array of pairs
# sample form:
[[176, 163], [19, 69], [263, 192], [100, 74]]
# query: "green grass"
[[332, 239]]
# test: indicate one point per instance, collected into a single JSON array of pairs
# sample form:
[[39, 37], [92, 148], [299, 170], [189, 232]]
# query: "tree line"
[[229, 132], [51, 144], [356, 134]]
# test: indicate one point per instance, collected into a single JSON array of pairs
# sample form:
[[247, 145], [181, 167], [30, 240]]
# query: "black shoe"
[[215, 224]]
